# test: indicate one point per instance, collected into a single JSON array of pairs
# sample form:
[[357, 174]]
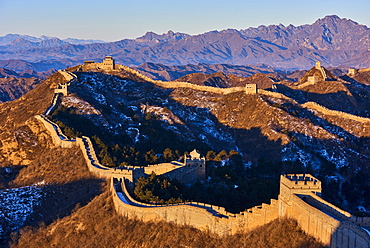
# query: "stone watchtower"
[[317, 77], [251, 89], [352, 72], [62, 88], [194, 159], [292, 184], [108, 64]]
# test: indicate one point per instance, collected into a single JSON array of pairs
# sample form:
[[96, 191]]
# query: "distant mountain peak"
[[331, 39], [154, 37], [335, 19]]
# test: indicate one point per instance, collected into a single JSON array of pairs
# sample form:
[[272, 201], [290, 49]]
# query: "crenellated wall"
[[299, 193], [320, 108], [59, 139], [67, 75], [299, 199], [93, 164], [202, 216]]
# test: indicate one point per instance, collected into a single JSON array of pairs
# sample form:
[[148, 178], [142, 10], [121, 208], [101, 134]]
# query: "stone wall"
[[364, 70], [332, 231], [67, 75], [324, 221], [275, 95], [93, 164], [299, 199], [59, 139], [313, 221], [202, 216], [162, 168], [54, 103], [326, 111]]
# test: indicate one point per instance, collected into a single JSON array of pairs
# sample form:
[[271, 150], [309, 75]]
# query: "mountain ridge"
[[334, 41]]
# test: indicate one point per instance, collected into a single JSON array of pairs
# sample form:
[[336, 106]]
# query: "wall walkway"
[[307, 105], [317, 217], [199, 215]]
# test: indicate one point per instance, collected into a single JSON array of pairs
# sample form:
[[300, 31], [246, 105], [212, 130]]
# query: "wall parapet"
[[320, 108], [93, 164], [322, 222], [54, 103], [199, 215], [59, 139], [67, 75], [300, 181], [332, 230]]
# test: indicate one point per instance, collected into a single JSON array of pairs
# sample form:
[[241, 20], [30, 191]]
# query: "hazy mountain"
[[332, 40], [43, 41], [41, 66]]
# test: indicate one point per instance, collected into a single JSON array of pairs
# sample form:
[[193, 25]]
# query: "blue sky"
[[113, 20]]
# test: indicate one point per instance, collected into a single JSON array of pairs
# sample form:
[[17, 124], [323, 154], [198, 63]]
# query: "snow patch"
[[16, 205], [82, 106]]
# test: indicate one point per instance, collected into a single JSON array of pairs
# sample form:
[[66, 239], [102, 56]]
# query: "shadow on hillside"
[[251, 142], [254, 145], [59, 201], [196, 114], [8, 174], [340, 100]]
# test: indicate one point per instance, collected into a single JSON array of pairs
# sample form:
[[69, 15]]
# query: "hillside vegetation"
[[97, 225], [248, 139]]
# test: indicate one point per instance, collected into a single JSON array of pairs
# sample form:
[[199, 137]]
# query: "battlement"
[[300, 181], [108, 64], [293, 184], [297, 199]]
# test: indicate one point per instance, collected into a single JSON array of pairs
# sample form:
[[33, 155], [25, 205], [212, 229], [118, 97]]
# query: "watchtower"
[[251, 89], [352, 72], [194, 159], [291, 184], [108, 63], [62, 88], [313, 79], [318, 65]]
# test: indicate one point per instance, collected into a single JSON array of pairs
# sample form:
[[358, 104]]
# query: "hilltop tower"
[[194, 159], [108, 64], [352, 72], [88, 65], [316, 74], [251, 89]]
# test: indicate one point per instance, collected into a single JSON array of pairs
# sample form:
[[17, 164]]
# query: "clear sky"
[[113, 20]]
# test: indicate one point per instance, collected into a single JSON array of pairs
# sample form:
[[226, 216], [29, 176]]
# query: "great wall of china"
[[299, 196], [225, 91]]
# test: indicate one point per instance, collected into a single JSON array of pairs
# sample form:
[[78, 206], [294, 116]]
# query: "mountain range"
[[333, 40], [19, 41]]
